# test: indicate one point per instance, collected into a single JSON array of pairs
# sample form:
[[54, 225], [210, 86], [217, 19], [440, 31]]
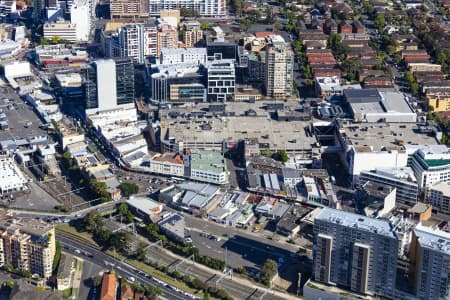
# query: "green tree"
[[281, 155], [268, 271], [351, 67], [269, 15], [185, 12], [93, 221], [96, 281], [266, 152], [129, 188], [152, 292], [335, 43], [205, 26], [140, 251], [57, 257], [99, 189], [441, 59], [125, 212], [119, 240], [206, 295], [379, 22], [237, 7], [245, 24]]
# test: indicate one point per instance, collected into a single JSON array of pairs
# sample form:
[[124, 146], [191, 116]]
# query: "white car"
[[131, 279]]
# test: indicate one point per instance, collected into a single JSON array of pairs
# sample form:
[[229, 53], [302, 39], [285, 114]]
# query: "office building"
[[27, 245], [61, 29], [137, 41], [363, 158], [355, 252], [128, 9], [279, 68], [178, 84], [192, 35], [206, 8], [109, 84], [172, 56], [430, 257], [438, 196], [431, 164], [221, 80], [402, 179]]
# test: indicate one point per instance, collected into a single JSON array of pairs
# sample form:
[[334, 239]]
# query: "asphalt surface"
[[18, 113], [232, 286], [90, 269], [99, 258]]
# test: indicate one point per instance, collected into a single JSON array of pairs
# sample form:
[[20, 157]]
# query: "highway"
[[235, 287], [121, 268]]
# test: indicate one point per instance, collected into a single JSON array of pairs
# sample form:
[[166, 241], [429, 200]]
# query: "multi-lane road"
[[99, 258]]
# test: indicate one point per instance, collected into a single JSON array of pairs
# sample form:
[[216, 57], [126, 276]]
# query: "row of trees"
[[93, 223], [279, 155]]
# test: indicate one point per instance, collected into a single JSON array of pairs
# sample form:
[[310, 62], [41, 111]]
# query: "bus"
[[177, 179]]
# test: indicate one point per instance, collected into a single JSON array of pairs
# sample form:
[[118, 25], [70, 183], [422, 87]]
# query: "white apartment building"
[[80, 15], [279, 68], [431, 164], [355, 252], [171, 56], [438, 196], [138, 41], [206, 8]]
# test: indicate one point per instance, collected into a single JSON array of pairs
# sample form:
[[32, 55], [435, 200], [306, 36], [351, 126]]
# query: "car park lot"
[[22, 120]]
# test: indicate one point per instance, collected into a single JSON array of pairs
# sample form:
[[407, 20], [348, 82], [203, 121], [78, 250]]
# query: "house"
[[362, 74], [109, 286], [65, 272], [358, 27], [345, 27], [290, 224], [382, 81], [126, 293], [330, 26], [356, 43]]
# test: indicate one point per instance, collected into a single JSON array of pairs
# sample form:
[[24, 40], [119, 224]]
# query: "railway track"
[[77, 238]]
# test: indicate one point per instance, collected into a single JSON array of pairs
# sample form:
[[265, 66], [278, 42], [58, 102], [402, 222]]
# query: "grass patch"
[[66, 294], [114, 254], [164, 277], [72, 230]]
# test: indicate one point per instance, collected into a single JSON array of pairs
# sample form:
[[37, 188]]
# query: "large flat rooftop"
[[212, 161], [389, 135], [22, 120], [236, 125], [356, 221], [433, 239]]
